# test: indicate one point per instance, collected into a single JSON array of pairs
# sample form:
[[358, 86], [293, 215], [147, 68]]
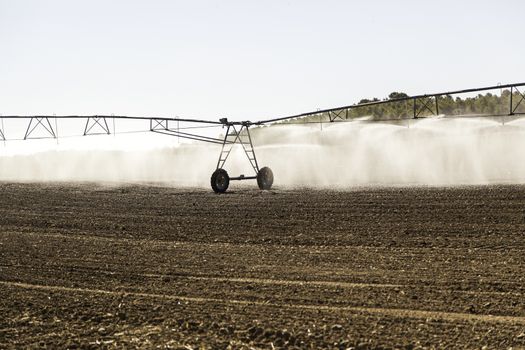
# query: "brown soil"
[[144, 266]]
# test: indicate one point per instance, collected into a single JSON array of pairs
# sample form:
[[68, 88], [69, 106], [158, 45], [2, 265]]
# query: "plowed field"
[[91, 266]]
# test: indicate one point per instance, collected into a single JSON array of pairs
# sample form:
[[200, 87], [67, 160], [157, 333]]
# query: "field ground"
[[87, 265]]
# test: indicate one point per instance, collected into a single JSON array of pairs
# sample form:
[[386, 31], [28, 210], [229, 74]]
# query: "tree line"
[[482, 104]]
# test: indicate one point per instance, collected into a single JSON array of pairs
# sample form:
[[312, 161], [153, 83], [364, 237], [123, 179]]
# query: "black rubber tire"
[[265, 178], [220, 181]]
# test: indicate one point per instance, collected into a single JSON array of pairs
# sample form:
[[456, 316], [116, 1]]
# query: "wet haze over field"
[[433, 151]]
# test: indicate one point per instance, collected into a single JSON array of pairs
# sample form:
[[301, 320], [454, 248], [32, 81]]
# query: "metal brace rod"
[[522, 97], [221, 162], [2, 129], [253, 161], [223, 145], [188, 136], [180, 133]]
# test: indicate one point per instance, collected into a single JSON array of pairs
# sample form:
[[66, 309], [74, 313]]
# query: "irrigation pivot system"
[[238, 132]]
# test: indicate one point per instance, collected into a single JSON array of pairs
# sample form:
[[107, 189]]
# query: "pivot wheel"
[[265, 178], [220, 181]]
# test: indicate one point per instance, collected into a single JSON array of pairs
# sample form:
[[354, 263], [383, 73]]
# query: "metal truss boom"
[[426, 103], [112, 116], [420, 103], [94, 122]]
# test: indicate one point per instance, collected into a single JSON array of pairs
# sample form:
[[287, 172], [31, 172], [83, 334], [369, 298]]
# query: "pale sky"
[[247, 59]]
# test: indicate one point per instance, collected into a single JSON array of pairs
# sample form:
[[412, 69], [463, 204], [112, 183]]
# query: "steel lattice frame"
[[39, 121], [101, 122]]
